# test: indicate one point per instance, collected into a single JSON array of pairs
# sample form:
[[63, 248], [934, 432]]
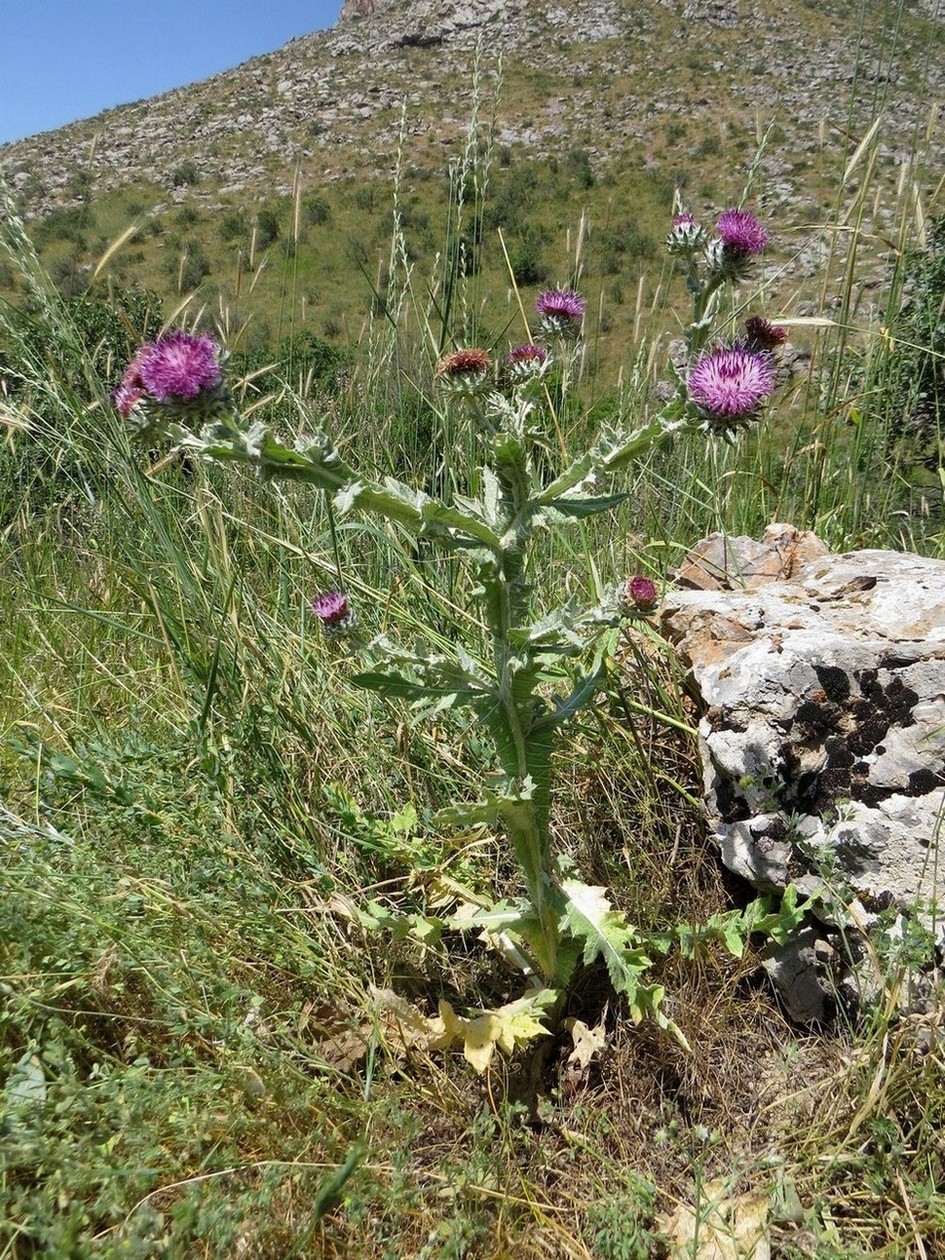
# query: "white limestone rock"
[[822, 688]]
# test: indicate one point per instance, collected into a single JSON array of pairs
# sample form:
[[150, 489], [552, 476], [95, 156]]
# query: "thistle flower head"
[[528, 361], [761, 334], [177, 376], [729, 383], [641, 594], [333, 612], [686, 235], [741, 233], [464, 372], [180, 367], [740, 238], [561, 311]]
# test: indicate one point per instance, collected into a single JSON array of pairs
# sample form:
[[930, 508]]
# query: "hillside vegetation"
[[267, 192]]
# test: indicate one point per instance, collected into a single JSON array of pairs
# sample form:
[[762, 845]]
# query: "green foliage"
[[185, 174], [64, 223], [525, 259], [316, 212], [190, 268], [578, 167], [365, 196], [233, 226], [268, 227], [305, 361], [620, 1226], [916, 355], [187, 216]]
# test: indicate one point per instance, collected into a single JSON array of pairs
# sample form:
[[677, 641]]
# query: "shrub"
[[315, 210], [267, 228], [579, 168], [64, 223], [365, 197], [233, 226], [190, 268], [68, 275], [525, 261], [184, 174], [915, 393]]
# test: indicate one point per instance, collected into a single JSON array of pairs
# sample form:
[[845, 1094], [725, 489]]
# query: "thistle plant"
[[508, 678]]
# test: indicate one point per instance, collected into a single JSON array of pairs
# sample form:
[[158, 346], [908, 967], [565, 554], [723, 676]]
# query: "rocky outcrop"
[[425, 23], [821, 683]]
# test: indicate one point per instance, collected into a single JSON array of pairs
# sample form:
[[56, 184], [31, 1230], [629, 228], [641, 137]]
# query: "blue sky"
[[66, 59]]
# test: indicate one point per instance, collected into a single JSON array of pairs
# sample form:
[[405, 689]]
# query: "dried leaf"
[[721, 1228], [587, 1042]]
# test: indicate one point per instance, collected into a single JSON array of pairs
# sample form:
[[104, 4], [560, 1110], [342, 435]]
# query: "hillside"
[[597, 108]]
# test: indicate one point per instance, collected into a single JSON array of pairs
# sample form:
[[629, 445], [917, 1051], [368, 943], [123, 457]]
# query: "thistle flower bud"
[[686, 235], [641, 595], [524, 363], [761, 334]]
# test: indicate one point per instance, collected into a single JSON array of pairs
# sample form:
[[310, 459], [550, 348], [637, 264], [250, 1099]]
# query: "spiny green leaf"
[[580, 509]]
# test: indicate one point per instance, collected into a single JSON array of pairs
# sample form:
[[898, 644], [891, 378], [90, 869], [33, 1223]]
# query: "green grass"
[[196, 800]]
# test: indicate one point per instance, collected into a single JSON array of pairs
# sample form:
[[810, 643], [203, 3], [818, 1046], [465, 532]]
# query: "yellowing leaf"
[[506, 1027], [414, 1028]]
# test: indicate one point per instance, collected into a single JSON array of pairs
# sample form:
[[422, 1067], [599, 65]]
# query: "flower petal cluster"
[[179, 369], [333, 611], [761, 334], [561, 312], [738, 241], [641, 594], [729, 383], [528, 361], [741, 233]]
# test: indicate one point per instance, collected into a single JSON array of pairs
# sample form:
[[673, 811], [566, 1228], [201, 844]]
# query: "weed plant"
[[216, 843]]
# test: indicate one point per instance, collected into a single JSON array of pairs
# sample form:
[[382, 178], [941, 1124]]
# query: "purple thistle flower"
[[527, 363], [561, 311], [642, 594], [332, 611], [179, 367], [741, 233], [686, 235], [730, 382], [465, 372]]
